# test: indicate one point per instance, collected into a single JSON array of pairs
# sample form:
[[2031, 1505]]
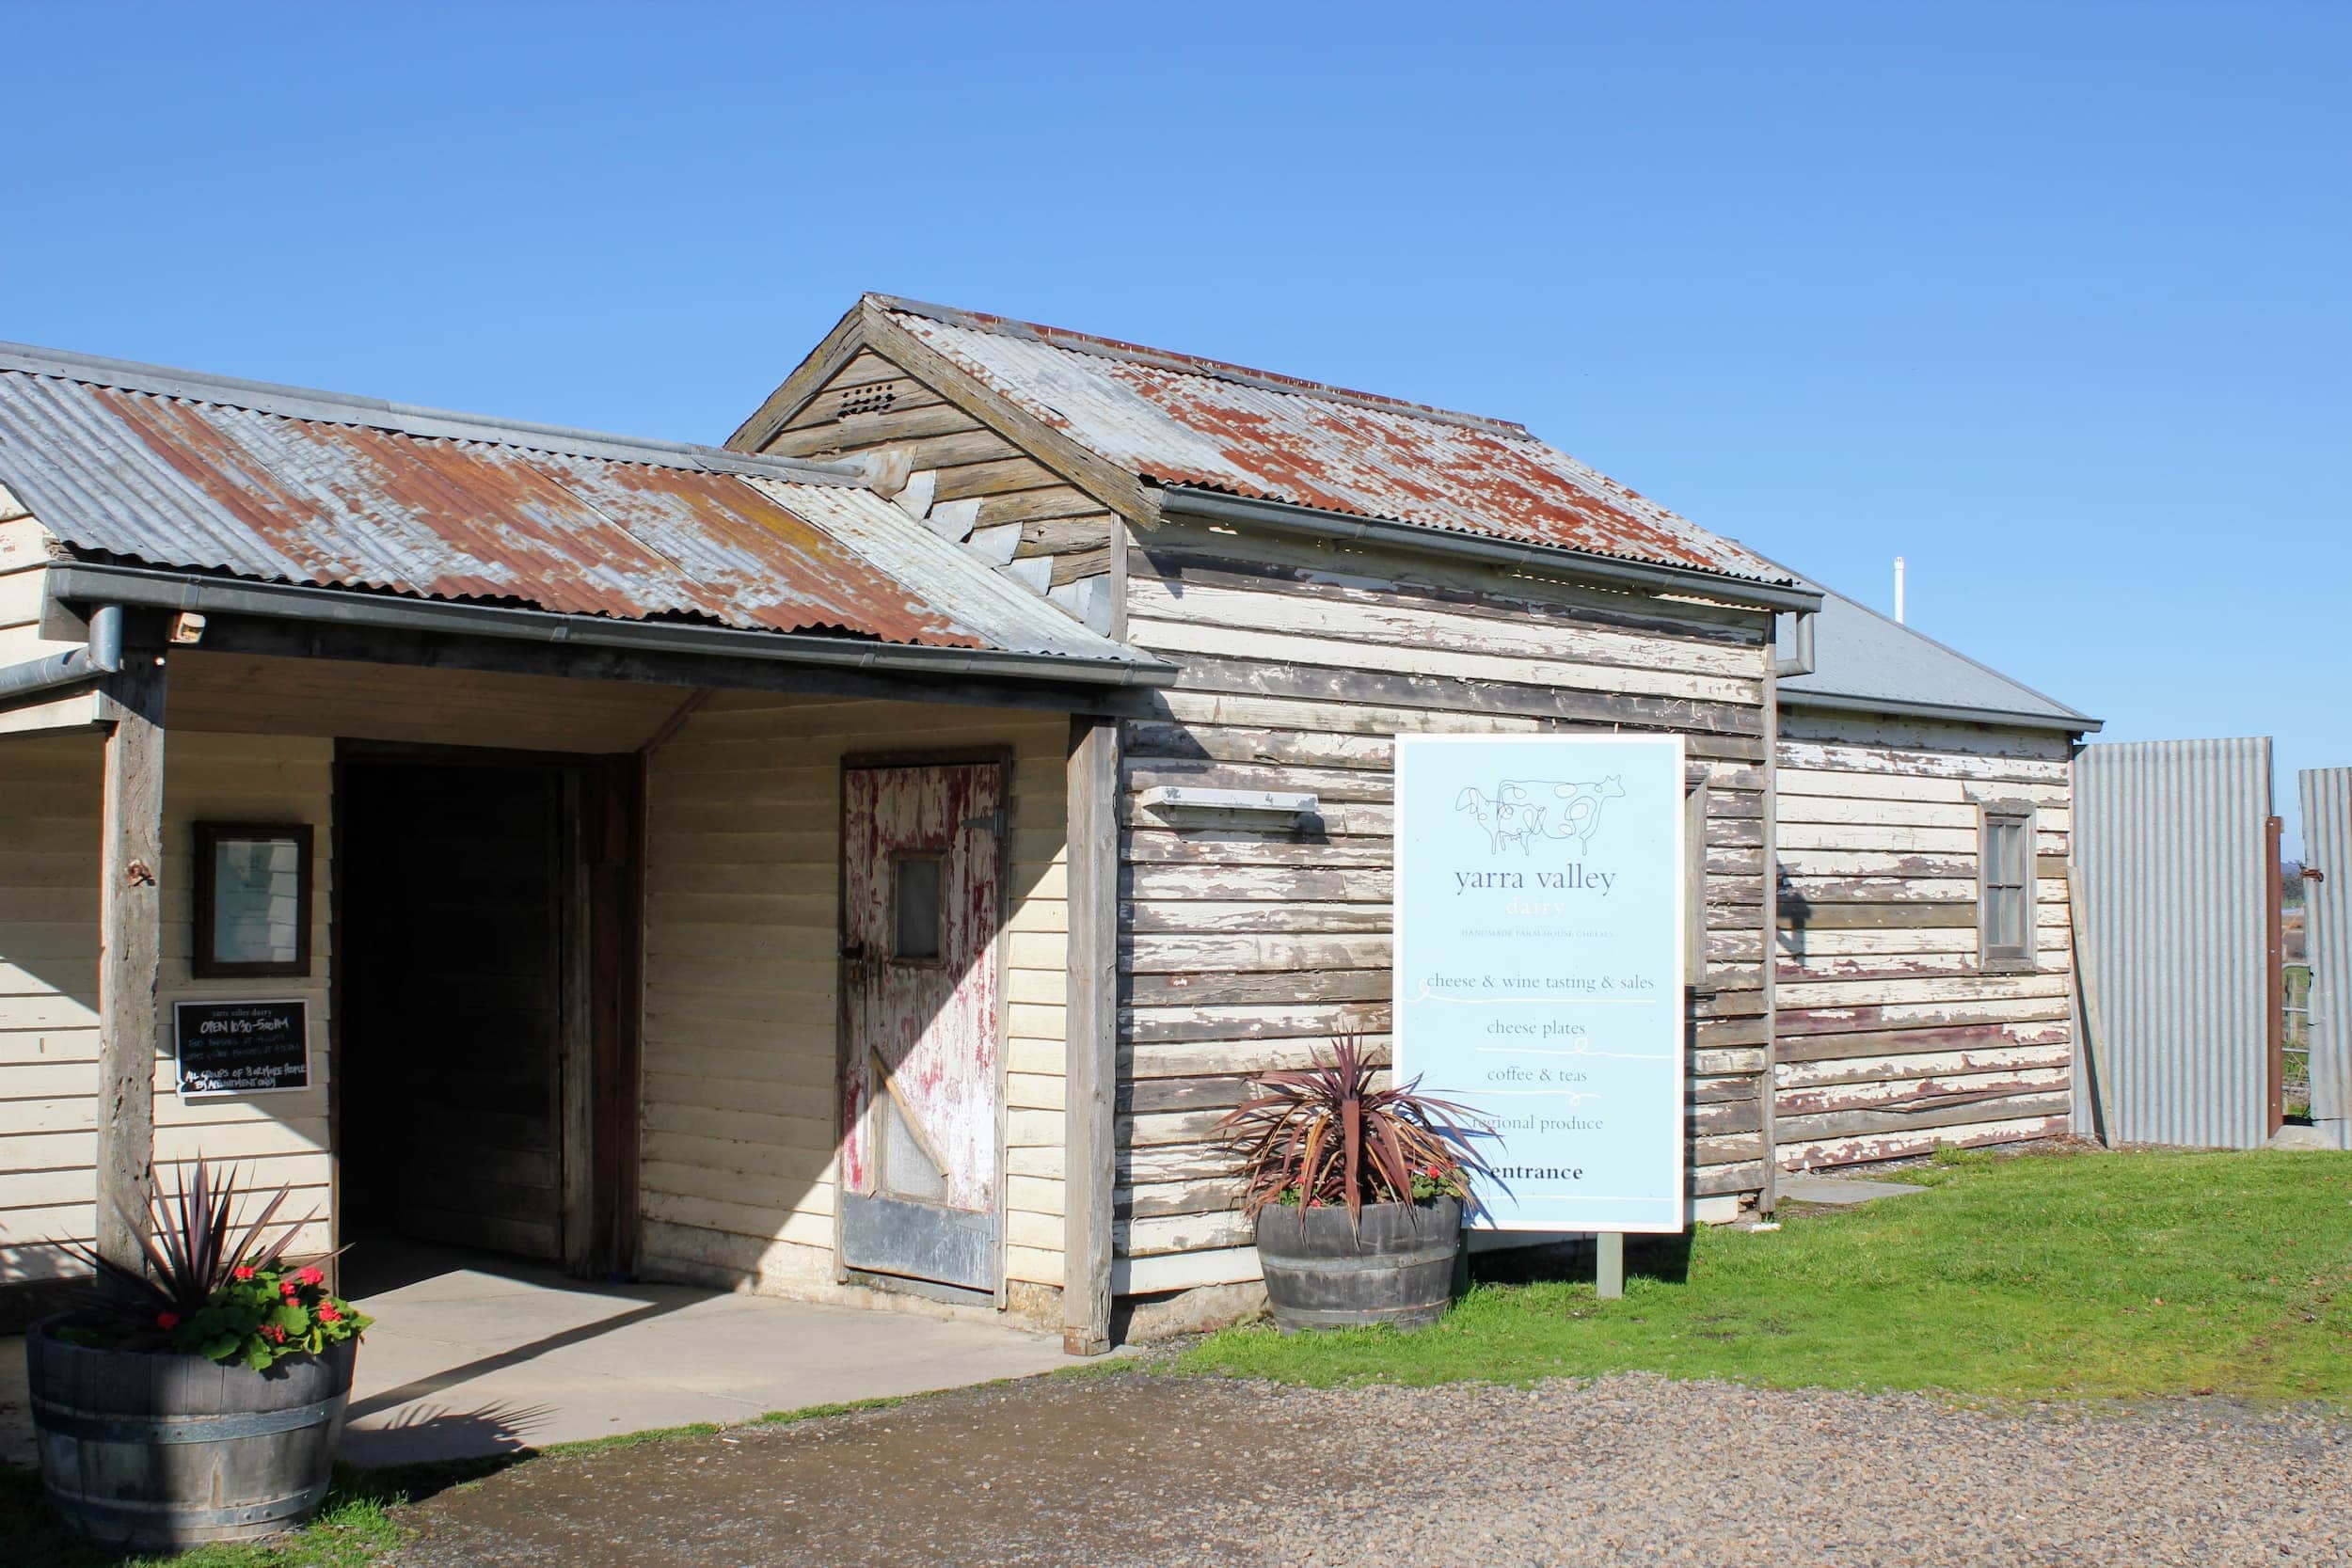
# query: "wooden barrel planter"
[[1394, 1266], [159, 1452]]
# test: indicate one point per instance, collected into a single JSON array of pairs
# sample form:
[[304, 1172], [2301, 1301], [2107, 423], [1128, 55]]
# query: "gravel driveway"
[[1126, 1469]]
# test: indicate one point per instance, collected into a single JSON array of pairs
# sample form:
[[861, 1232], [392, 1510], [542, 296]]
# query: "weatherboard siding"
[[1242, 947], [739, 1136], [1893, 1039], [49, 939]]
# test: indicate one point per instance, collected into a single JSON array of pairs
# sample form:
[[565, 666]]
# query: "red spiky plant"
[[187, 1253], [1326, 1135]]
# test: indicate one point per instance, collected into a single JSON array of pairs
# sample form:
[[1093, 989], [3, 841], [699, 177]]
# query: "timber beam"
[[130, 913]]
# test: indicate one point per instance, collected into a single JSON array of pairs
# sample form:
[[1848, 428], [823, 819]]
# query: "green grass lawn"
[[2046, 1275]]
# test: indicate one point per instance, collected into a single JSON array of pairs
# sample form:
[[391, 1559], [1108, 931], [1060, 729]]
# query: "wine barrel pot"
[[1393, 1266], [156, 1450]]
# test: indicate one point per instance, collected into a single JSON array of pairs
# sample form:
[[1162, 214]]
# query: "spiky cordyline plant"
[[187, 1253], [1324, 1134]]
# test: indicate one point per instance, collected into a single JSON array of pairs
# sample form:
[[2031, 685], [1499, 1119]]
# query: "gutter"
[[1287, 517], [1838, 702], [193, 591], [100, 656]]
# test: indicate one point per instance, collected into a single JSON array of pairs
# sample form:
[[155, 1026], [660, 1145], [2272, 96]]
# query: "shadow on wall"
[[49, 874]]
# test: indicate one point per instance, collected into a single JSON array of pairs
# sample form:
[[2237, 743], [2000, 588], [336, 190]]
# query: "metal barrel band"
[[1351, 1317], [1443, 1253], [134, 1513], [68, 1421]]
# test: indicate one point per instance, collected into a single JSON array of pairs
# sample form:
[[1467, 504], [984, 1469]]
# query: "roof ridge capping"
[[285, 401], [1190, 364]]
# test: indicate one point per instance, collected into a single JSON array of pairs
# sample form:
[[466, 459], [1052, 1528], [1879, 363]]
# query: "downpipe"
[[1802, 664], [101, 655]]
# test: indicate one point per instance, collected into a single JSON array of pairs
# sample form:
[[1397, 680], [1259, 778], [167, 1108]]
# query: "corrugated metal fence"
[[2326, 801], [2170, 848]]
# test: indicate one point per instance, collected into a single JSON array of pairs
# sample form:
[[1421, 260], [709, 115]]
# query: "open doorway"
[[481, 1087]]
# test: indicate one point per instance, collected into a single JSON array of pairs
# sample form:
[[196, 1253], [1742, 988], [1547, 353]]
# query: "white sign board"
[[1539, 923]]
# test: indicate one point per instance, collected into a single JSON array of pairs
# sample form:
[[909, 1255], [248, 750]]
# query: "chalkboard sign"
[[229, 1048]]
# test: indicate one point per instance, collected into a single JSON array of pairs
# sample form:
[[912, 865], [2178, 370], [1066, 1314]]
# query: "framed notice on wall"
[[238, 1048], [1539, 920], [252, 900]]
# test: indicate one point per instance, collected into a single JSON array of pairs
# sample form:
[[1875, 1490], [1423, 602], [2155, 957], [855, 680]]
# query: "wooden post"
[[2089, 1022], [1091, 1036], [130, 915]]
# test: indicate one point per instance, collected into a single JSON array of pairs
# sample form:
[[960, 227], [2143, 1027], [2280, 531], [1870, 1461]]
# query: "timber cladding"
[[1242, 946], [1894, 1035], [742, 971], [49, 954], [963, 478]]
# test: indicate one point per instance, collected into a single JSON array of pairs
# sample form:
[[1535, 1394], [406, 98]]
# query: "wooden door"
[[919, 1090]]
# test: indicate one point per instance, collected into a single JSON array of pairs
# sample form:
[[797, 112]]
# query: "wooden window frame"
[[1993, 958], [202, 965]]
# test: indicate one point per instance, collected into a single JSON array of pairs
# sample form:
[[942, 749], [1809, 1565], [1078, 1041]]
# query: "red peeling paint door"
[[919, 1094]]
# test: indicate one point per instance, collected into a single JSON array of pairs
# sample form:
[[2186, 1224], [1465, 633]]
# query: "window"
[[2005, 928], [914, 907]]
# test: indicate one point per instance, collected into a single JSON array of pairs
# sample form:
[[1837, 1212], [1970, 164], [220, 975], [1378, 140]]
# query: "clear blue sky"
[[2049, 298]]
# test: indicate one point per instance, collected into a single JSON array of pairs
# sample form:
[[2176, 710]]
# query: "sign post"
[[1539, 921]]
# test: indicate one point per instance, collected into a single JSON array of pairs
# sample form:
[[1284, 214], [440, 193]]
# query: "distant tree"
[[2291, 884]]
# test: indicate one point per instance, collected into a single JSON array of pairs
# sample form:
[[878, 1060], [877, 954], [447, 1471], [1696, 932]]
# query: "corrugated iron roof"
[[1863, 655], [1176, 420], [284, 484]]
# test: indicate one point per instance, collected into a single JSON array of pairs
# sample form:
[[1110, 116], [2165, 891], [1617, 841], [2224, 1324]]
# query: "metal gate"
[[2326, 801], [2175, 857]]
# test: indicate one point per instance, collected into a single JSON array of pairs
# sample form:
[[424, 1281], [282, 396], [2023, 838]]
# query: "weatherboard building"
[[870, 857]]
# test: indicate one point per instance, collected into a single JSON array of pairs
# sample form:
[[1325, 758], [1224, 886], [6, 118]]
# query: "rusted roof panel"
[[299, 487], [1175, 419]]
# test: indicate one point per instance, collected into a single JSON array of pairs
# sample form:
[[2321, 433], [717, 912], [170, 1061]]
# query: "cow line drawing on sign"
[[1507, 822], [1523, 810]]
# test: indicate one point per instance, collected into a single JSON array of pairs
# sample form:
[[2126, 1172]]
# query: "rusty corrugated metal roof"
[[168, 468], [1176, 420]]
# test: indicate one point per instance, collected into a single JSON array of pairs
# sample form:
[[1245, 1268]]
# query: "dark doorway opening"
[[484, 1083]]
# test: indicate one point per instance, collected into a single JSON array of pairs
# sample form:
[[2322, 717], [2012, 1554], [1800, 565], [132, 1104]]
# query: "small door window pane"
[[915, 903]]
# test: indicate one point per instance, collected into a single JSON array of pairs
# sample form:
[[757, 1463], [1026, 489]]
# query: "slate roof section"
[[137, 464], [1179, 420]]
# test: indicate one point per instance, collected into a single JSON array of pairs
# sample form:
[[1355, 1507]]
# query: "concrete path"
[[473, 1356], [1840, 1192]]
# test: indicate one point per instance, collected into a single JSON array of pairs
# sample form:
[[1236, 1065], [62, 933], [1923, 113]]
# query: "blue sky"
[[2048, 298]]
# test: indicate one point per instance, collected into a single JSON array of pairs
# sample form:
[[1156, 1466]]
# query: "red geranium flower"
[[310, 1276], [166, 1320], [242, 1271], [288, 1288], [327, 1313], [276, 1334]]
